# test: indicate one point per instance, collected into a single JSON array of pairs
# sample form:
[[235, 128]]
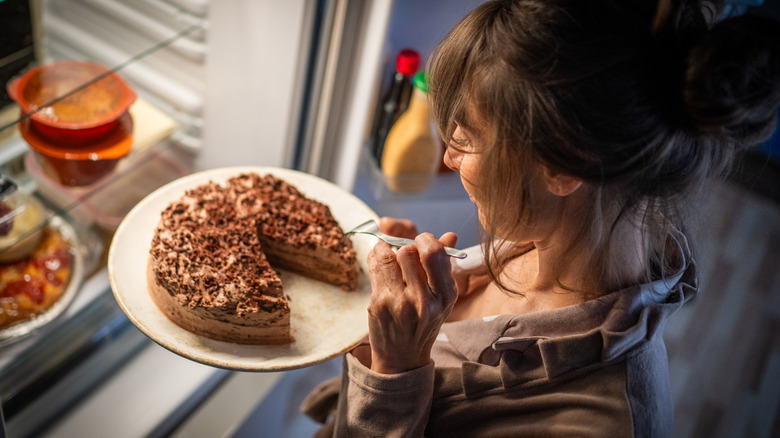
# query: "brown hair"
[[642, 99]]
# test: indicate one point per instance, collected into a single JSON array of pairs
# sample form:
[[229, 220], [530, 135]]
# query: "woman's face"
[[462, 155]]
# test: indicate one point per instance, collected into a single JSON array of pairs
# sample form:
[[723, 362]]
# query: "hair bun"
[[732, 79], [690, 25]]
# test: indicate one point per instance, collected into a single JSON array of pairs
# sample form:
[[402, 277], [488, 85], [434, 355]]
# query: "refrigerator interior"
[[445, 205], [284, 84], [291, 84]]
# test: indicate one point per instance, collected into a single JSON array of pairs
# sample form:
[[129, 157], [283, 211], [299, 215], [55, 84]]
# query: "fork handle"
[[452, 252], [456, 253]]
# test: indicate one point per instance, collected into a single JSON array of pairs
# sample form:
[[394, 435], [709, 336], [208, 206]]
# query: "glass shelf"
[[92, 338]]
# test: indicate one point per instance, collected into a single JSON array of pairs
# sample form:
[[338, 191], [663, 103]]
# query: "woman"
[[581, 130]]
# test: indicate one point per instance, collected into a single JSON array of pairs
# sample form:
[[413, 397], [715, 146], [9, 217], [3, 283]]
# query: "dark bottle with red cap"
[[396, 100]]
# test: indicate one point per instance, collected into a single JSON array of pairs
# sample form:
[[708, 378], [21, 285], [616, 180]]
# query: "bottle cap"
[[420, 81], [407, 62]]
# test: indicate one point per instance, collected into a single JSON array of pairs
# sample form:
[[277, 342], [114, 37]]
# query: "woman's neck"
[[561, 272], [519, 292], [573, 263]]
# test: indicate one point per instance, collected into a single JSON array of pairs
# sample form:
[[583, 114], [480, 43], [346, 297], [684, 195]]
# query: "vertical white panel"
[[350, 131], [257, 52]]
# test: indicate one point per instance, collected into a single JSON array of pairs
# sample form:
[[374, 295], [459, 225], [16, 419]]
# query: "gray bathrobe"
[[597, 369]]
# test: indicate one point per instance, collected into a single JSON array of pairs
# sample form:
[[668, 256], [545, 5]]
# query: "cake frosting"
[[297, 233], [215, 253]]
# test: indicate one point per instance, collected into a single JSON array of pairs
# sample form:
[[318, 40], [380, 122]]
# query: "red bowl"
[[84, 164], [86, 115]]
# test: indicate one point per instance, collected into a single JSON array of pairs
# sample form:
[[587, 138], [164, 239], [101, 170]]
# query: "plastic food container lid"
[[21, 222]]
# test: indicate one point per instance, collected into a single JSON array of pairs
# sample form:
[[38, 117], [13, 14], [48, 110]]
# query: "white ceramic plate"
[[326, 321]]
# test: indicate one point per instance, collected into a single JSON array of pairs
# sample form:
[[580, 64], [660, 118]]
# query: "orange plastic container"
[[86, 115], [80, 165]]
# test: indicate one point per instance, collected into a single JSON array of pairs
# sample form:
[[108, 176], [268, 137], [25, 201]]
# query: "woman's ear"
[[560, 184]]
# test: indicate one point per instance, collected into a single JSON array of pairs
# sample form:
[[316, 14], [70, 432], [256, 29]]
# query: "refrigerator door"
[[259, 54], [345, 80]]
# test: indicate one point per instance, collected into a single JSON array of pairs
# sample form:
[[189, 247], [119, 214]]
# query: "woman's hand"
[[412, 294], [398, 227], [466, 280]]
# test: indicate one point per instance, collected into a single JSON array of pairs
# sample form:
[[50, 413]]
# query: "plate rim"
[[220, 175]]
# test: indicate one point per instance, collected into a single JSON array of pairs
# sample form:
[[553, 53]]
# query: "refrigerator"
[[293, 84]]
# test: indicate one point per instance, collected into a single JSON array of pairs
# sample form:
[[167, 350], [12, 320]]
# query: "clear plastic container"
[[21, 222], [107, 202]]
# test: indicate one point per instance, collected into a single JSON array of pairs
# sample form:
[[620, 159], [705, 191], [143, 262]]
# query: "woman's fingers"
[[384, 270], [449, 239], [397, 227], [437, 266], [415, 276], [392, 279]]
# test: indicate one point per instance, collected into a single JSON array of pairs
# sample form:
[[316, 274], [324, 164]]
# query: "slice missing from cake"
[[215, 250], [298, 234]]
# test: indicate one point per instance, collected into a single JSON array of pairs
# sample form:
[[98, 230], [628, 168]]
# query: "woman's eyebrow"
[[465, 126], [469, 123]]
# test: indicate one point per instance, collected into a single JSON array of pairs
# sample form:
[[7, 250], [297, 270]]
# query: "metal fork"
[[371, 227]]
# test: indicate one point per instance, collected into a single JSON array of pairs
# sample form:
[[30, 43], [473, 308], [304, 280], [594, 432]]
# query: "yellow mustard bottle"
[[412, 154]]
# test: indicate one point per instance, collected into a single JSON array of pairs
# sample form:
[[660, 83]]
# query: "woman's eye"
[[459, 143]]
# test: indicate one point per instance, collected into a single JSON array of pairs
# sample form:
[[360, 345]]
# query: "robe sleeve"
[[383, 405]]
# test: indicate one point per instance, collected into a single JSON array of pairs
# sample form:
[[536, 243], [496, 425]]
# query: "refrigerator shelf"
[[444, 186]]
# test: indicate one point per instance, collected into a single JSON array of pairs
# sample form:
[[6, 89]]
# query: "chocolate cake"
[[297, 233], [215, 250]]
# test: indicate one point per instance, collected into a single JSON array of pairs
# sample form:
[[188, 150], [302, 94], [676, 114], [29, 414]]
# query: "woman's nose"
[[452, 159]]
